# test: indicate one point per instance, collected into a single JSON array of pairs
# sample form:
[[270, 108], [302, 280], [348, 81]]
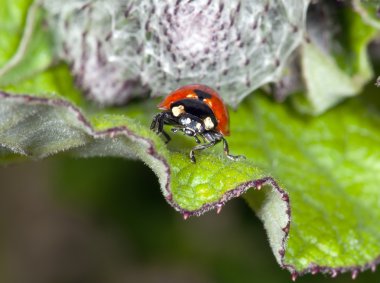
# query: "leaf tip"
[[169, 198], [186, 215], [334, 273], [286, 228], [354, 274], [294, 276], [314, 270], [285, 197], [219, 208]]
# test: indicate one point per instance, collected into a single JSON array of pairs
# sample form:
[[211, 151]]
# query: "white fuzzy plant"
[[119, 49]]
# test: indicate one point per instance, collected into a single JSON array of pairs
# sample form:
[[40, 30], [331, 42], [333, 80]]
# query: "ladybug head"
[[194, 114]]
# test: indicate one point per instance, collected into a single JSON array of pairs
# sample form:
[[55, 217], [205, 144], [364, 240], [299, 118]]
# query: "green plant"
[[314, 179]]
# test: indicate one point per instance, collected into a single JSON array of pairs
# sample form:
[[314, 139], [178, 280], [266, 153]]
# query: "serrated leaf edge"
[[165, 184]]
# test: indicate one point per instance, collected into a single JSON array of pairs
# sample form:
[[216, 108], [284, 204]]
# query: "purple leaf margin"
[[153, 156]]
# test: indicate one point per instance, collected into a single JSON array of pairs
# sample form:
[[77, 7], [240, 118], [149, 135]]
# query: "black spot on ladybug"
[[202, 94]]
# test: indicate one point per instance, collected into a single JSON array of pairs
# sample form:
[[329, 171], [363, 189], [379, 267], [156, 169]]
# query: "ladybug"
[[197, 111]]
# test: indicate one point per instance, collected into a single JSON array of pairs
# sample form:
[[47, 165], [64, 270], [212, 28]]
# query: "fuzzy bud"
[[119, 49]]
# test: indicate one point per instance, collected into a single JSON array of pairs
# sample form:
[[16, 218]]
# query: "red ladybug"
[[197, 111]]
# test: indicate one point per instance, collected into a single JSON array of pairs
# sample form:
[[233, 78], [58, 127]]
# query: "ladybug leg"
[[167, 137], [203, 138], [227, 152], [158, 125], [197, 139], [158, 122], [155, 121], [201, 147], [161, 119], [160, 130]]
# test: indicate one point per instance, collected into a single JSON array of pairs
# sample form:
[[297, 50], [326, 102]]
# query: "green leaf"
[[369, 11], [330, 168], [337, 69], [318, 176], [13, 19], [328, 165], [25, 41]]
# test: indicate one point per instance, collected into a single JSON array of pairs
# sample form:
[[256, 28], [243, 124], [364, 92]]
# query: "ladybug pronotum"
[[197, 111]]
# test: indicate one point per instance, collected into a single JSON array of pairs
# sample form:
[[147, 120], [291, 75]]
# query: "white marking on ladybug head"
[[187, 121], [209, 125], [198, 126], [178, 110]]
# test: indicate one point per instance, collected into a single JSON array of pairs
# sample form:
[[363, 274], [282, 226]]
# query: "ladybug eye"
[[208, 123], [178, 110]]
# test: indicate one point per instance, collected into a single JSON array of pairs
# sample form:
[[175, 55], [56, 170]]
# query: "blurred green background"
[[104, 220]]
